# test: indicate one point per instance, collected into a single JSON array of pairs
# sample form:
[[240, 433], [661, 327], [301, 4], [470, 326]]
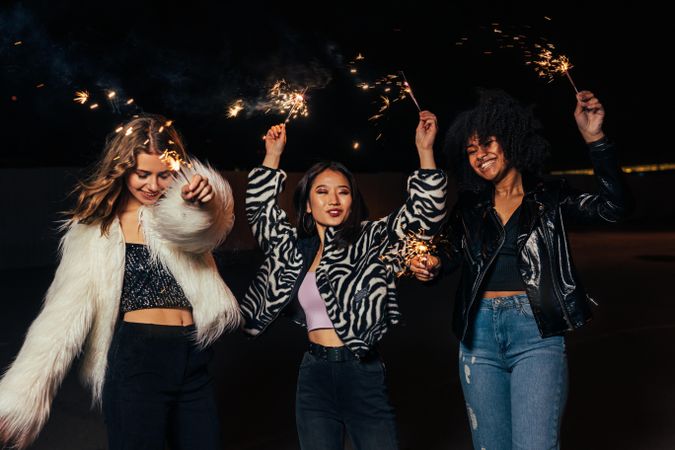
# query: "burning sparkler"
[[548, 65], [283, 98], [172, 159], [408, 89], [299, 106], [415, 245]]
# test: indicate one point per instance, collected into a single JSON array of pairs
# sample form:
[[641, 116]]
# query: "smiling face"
[[330, 199], [487, 158], [149, 179]]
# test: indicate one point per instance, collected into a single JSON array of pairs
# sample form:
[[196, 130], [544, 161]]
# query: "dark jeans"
[[351, 396], [157, 390]]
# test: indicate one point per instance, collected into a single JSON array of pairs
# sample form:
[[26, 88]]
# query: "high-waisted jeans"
[[514, 381], [157, 390], [334, 398]]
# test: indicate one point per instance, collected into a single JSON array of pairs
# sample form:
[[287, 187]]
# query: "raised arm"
[[424, 209], [269, 223], [612, 201]]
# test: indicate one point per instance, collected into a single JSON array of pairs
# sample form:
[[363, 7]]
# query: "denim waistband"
[[510, 301]]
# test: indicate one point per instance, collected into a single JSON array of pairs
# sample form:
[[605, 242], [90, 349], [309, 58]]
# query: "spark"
[[235, 108], [548, 65], [81, 97]]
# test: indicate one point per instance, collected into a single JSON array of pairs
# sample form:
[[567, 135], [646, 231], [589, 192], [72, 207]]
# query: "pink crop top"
[[313, 305]]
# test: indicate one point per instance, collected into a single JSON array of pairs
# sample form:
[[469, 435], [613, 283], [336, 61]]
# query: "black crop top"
[[147, 284], [504, 274]]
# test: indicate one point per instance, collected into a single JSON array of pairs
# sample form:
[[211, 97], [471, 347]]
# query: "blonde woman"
[[137, 290]]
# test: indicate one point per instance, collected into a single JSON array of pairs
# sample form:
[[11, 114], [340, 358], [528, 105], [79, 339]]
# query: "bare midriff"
[[326, 337], [495, 294], [161, 316]]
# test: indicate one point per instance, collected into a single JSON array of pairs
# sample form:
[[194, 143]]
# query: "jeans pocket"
[[526, 309], [375, 366], [307, 360]]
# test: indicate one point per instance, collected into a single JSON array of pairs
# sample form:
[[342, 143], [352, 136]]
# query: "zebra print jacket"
[[357, 285]]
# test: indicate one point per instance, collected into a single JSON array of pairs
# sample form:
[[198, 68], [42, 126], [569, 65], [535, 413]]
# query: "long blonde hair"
[[99, 195]]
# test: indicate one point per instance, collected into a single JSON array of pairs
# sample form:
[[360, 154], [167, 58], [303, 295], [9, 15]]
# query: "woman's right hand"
[[275, 141], [425, 268]]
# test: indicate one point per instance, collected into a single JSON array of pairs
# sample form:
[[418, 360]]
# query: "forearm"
[[427, 160], [271, 161]]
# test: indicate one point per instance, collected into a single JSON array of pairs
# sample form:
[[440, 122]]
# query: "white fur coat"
[[81, 306]]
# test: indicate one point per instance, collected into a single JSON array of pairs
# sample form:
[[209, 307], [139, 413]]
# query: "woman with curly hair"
[[138, 291], [519, 292]]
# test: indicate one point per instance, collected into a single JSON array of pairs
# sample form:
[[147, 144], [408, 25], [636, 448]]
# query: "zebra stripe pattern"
[[359, 288]]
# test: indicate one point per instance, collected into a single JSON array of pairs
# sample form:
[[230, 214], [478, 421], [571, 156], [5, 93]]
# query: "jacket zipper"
[[555, 284], [482, 274]]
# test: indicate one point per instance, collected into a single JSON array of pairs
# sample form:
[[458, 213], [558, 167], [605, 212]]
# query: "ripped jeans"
[[514, 381]]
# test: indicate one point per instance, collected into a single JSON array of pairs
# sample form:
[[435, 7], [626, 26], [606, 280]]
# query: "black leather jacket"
[[558, 299]]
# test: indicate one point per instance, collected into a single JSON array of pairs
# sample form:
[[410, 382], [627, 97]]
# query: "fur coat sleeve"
[[194, 227], [53, 340]]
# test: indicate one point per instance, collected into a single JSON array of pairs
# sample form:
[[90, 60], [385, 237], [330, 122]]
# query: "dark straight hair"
[[349, 230]]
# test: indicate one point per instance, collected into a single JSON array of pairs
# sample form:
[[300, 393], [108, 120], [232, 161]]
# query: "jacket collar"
[[532, 185]]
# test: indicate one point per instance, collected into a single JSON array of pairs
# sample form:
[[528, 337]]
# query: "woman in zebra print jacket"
[[328, 275]]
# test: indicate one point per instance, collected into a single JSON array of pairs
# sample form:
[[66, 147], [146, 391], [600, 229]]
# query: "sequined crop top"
[[147, 284]]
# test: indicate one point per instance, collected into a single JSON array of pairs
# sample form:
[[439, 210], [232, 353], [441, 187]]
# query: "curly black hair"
[[513, 125]]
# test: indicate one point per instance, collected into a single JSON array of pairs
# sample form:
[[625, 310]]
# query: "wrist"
[[589, 138], [427, 160], [271, 160]]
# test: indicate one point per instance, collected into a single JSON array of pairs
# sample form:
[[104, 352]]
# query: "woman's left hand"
[[199, 190], [589, 115]]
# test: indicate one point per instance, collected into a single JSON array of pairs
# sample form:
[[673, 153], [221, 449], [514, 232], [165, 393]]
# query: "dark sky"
[[189, 62]]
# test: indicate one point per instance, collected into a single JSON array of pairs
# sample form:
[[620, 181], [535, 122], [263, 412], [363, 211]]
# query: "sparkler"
[[172, 159], [408, 89], [414, 245], [283, 98], [299, 106], [548, 65]]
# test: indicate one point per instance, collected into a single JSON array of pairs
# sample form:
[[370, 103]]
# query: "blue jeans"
[[514, 381], [351, 396]]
